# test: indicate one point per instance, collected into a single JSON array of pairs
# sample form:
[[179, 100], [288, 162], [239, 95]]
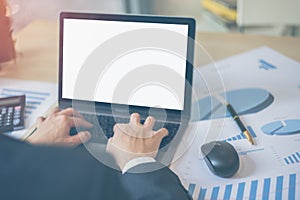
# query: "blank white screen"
[[82, 37]]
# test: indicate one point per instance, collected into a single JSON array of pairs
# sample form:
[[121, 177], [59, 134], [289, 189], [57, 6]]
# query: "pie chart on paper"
[[244, 101], [284, 127]]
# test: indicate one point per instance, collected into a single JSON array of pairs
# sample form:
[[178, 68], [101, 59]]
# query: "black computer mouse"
[[221, 158]]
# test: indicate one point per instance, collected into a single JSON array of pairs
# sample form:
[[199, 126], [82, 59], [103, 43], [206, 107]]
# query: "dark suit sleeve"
[[153, 181], [48, 173]]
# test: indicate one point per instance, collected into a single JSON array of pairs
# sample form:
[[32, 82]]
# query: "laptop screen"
[[84, 37]]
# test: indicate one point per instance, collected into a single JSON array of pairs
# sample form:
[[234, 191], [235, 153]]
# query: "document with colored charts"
[[40, 96], [264, 88]]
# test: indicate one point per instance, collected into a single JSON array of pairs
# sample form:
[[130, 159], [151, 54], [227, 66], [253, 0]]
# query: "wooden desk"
[[37, 53], [37, 47]]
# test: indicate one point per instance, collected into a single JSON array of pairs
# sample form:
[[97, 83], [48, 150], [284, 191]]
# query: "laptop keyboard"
[[104, 124]]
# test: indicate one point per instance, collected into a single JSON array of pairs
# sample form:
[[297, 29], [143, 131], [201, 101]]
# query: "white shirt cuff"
[[137, 161]]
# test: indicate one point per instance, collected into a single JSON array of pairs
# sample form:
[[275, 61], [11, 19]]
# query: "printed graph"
[[40, 96], [244, 101], [283, 127], [294, 158], [241, 135], [33, 99], [266, 65], [280, 188], [250, 151]]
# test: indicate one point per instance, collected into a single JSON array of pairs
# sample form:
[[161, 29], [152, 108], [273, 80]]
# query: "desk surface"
[[37, 48]]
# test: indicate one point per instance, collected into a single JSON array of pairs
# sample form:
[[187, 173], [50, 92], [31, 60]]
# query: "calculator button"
[[17, 107], [16, 121], [12, 113], [17, 116]]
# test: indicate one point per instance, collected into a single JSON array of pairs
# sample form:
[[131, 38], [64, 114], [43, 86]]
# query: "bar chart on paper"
[[39, 97], [33, 99], [263, 87], [293, 158], [280, 187], [241, 135], [266, 65]]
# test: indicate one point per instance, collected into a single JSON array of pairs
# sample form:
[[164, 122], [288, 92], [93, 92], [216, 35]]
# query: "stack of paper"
[[264, 88]]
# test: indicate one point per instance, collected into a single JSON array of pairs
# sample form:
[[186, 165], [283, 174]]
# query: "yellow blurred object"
[[220, 10]]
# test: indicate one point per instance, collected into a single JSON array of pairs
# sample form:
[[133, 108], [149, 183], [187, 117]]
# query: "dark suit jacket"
[[41, 173]]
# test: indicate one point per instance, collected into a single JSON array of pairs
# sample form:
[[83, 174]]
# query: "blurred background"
[[268, 17]]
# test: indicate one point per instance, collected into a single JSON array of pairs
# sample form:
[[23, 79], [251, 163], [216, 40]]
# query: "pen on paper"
[[235, 117], [239, 123]]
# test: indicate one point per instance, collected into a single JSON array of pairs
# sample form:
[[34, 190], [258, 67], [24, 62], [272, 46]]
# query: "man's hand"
[[55, 129], [135, 140]]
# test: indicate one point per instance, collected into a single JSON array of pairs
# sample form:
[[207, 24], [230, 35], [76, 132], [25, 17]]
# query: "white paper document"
[[40, 96], [264, 88]]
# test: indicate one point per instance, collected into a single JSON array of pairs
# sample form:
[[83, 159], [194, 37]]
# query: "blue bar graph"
[[266, 189], [279, 184], [266, 65], [290, 159], [31, 107], [241, 135], [215, 192], [191, 189], [292, 187], [10, 90], [253, 189], [283, 187], [240, 192], [27, 96], [227, 193], [286, 161], [33, 102], [36, 98], [293, 158], [202, 194], [249, 151]]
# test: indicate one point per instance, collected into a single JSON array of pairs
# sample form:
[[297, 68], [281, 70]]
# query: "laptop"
[[113, 65]]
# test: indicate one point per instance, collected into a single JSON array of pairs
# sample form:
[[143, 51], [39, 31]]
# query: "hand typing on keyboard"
[[135, 140], [55, 129]]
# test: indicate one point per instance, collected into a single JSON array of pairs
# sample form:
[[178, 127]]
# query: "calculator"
[[12, 113]]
